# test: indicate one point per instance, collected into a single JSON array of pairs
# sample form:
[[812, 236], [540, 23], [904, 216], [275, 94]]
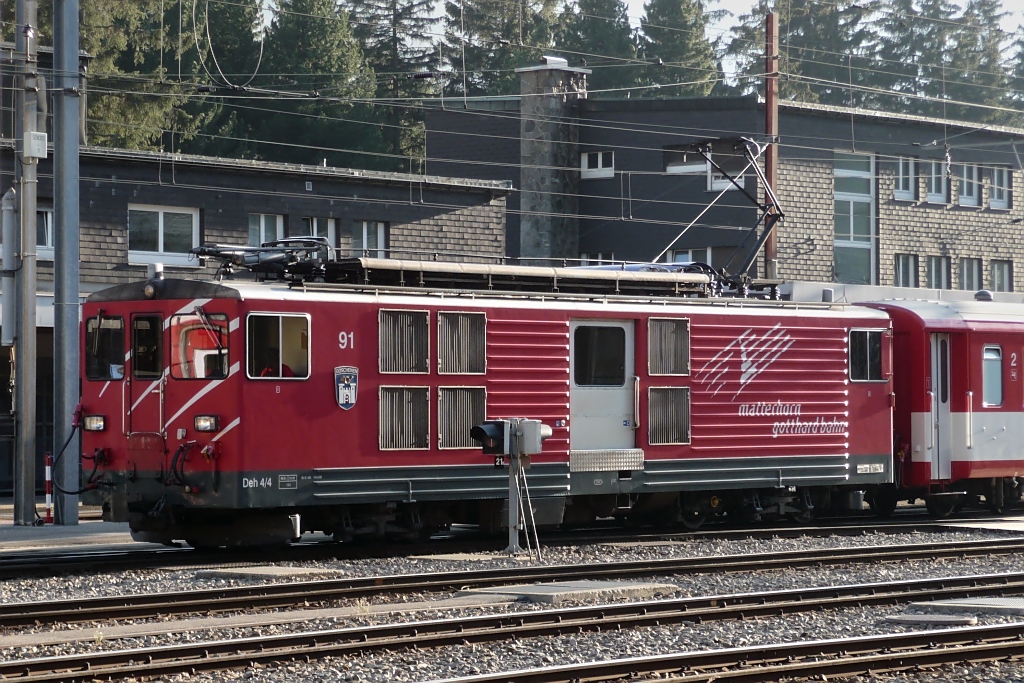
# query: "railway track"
[[194, 658], [45, 562], [301, 593], [817, 660]]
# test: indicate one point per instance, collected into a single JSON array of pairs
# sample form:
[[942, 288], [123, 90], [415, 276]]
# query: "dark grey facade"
[[869, 198], [139, 208]]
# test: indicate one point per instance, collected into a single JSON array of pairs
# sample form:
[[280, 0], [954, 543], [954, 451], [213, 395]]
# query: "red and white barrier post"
[[49, 489]]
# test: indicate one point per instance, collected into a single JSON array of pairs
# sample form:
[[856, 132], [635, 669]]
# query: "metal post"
[[67, 89], [513, 489], [9, 228], [25, 346], [771, 131]]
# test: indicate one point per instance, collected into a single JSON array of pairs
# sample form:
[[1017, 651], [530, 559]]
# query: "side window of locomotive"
[[866, 355], [278, 346], [992, 376], [403, 341], [599, 358], [147, 347], [104, 348], [199, 346], [668, 346], [461, 343]]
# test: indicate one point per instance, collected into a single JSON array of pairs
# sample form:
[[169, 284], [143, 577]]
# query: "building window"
[[854, 219], [597, 258], [999, 198], [44, 234], [906, 270], [597, 164], [970, 188], [970, 274], [992, 376], [935, 181], [939, 273], [684, 161], [315, 226], [687, 162], [265, 227], [905, 186], [1002, 276], [866, 355], [702, 255], [162, 234], [370, 239]]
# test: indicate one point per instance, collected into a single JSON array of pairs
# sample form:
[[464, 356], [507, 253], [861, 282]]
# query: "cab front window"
[[104, 348], [199, 345]]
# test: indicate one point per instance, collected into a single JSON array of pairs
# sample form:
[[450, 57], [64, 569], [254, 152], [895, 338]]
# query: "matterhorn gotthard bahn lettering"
[[744, 360]]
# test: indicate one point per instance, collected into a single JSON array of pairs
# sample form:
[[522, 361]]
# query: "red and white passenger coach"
[[240, 412], [959, 426]]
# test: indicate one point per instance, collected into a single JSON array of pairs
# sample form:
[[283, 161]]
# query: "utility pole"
[[67, 89], [31, 147], [771, 131]]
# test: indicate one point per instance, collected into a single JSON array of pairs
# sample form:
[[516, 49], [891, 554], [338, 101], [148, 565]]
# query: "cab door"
[[144, 404], [941, 442], [603, 391]]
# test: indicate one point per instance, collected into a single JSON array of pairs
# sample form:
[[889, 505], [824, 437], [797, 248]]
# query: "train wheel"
[[695, 510], [694, 519], [883, 500], [941, 507], [1000, 496]]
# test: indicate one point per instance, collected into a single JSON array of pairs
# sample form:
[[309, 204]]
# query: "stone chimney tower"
[[549, 158]]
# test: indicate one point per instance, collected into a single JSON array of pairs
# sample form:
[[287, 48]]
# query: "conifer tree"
[[676, 48], [976, 73], [487, 40], [314, 71], [596, 34], [396, 38]]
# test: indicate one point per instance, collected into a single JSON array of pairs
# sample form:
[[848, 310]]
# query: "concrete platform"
[[472, 557], [576, 591], [933, 620], [51, 536], [268, 572], [1009, 523], [1002, 606]]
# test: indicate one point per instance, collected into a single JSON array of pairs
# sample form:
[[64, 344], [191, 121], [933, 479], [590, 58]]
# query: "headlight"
[[94, 423], [206, 423]]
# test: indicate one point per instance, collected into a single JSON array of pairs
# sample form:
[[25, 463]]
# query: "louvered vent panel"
[[669, 346], [461, 347], [669, 415], [404, 418], [458, 410], [403, 341]]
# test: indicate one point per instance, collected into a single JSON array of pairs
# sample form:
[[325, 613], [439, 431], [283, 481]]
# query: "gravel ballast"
[[461, 661]]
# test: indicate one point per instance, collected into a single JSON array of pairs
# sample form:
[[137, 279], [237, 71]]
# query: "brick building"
[[870, 198]]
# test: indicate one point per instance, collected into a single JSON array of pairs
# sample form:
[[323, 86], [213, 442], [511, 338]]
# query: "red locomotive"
[[340, 398]]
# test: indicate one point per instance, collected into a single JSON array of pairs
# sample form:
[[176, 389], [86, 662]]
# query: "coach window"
[[600, 359], [866, 355], [992, 376], [278, 346], [104, 348], [199, 345]]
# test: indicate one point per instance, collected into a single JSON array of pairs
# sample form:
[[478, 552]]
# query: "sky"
[[738, 7]]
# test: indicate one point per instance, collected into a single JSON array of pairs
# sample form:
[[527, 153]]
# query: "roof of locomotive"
[[274, 290], [956, 313]]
